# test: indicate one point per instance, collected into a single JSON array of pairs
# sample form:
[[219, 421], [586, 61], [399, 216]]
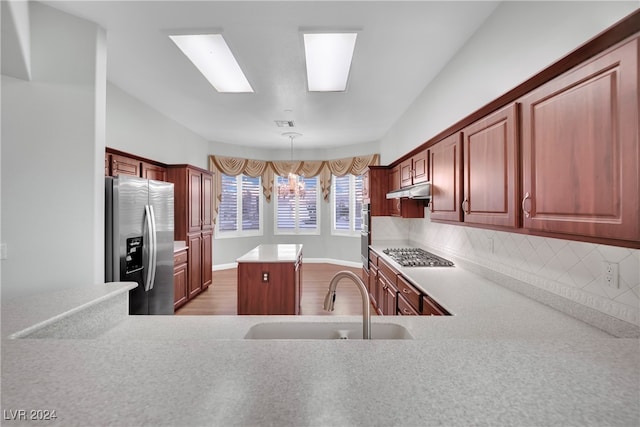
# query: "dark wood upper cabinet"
[[491, 193], [121, 165], [406, 173], [580, 149], [415, 170], [376, 182], [446, 179], [195, 204], [155, 172], [207, 201]]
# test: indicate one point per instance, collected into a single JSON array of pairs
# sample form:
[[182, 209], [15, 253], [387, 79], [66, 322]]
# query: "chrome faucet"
[[330, 299]]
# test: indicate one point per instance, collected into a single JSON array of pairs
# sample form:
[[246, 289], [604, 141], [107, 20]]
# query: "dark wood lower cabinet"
[[390, 300], [391, 293], [207, 259], [180, 278], [269, 288], [432, 308], [373, 284], [406, 309], [195, 266]]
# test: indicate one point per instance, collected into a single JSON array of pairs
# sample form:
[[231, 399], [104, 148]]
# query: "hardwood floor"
[[221, 298]]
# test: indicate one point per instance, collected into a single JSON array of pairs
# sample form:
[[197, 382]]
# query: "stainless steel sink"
[[325, 331]]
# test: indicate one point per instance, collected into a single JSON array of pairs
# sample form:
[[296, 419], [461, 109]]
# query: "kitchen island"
[[501, 359], [269, 280]]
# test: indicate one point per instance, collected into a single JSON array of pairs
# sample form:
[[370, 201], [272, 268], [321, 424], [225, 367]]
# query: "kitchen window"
[[297, 212], [346, 205], [240, 216]]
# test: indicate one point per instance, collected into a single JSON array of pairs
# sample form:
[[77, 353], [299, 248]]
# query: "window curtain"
[[268, 169]]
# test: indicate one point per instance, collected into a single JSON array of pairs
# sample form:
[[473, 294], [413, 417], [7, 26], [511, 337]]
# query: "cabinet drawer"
[[432, 308], [405, 309], [373, 258], [180, 258], [408, 292], [389, 272]]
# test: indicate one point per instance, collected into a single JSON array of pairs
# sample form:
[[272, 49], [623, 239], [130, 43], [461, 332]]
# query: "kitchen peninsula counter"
[[507, 361]]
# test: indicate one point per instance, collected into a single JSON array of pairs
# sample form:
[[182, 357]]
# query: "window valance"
[[269, 169]]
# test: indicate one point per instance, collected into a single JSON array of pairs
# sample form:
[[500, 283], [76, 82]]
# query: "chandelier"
[[294, 185]]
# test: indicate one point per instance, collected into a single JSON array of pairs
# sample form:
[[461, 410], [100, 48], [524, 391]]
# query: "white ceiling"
[[401, 46]]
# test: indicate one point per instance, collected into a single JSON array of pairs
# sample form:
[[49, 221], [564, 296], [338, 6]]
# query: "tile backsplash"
[[573, 270]]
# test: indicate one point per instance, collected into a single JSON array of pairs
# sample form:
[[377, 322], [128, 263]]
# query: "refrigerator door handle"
[[148, 245], [154, 248]]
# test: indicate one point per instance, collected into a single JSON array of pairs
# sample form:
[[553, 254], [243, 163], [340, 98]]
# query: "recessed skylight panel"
[[328, 58], [213, 58]]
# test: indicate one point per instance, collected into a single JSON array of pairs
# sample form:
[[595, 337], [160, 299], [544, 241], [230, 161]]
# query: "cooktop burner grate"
[[415, 257]]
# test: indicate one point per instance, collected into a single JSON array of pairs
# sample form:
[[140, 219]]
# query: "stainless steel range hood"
[[419, 191]]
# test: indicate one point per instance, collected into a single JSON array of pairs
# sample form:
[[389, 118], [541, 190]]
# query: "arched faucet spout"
[[330, 299]]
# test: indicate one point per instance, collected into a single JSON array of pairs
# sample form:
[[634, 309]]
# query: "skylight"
[[213, 58], [328, 57]]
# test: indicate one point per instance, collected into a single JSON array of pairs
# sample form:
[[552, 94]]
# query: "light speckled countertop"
[[179, 245], [502, 359], [272, 253]]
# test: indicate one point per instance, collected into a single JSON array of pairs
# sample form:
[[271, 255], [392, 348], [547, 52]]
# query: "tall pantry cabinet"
[[193, 188]]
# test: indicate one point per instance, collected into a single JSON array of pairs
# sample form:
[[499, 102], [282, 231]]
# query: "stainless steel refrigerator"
[[139, 220]]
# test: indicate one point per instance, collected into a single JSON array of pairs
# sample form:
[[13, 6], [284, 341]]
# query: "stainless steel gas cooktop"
[[415, 257]]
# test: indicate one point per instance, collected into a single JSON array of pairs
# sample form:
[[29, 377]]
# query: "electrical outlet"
[[610, 274]]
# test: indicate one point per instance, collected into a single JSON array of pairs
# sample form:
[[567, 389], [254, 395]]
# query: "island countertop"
[[272, 253]]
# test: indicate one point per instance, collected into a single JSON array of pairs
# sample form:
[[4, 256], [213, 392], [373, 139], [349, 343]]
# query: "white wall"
[[331, 153], [16, 44], [136, 128], [516, 42], [52, 144]]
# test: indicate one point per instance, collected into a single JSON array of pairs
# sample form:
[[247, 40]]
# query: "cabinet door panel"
[[491, 170], [154, 172], [421, 167], [180, 285], [394, 178], [207, 202], [195, 200], [446, 168], [121, 165], [378, 187], [390, 302], [207, 261], [195, 264], [406, 173], [580, 150]]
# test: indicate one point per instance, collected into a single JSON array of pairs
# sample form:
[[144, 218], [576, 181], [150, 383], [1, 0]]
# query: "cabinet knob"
[[406, 291], [406, 311]]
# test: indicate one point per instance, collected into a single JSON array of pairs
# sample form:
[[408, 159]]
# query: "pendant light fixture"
[[294, 186]]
